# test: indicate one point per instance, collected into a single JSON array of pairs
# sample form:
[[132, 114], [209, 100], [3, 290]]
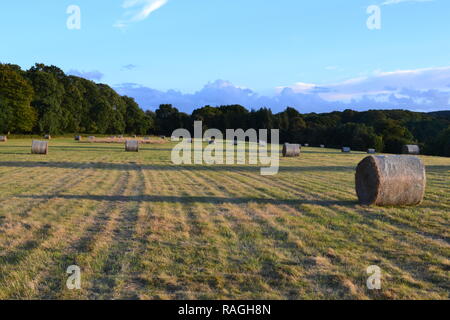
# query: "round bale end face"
[[367, 180], [411, 149], [401, 181], [132, 146], [291, 150], [39, 147]]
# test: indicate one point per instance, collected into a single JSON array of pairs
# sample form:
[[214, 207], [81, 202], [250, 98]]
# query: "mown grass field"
[[140, 227]]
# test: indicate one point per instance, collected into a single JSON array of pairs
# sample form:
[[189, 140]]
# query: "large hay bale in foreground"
[[39, 147], [3, 138], [132, 146], [390, 180], [291, 150], [411, 149]]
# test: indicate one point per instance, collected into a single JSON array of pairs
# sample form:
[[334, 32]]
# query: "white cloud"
[[380, 83], [420, 89], [390, 2], [138, 10]]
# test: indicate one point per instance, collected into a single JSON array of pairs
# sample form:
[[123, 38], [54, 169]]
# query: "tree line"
[[44, 100]]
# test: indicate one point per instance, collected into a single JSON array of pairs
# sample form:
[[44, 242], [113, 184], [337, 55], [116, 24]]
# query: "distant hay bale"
[[39, 147], [371, 151], [346, 150], [3, 138], [78, 138], [306, 144], [411, 149], [47, 137], [291, 150], [322, 146], [132, 146], [91, 138], [390, 180]]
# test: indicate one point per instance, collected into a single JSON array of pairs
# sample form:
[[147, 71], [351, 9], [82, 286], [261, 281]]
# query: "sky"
[[316, 56]]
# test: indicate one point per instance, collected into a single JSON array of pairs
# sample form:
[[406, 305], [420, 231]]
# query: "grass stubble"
[[140, 227]]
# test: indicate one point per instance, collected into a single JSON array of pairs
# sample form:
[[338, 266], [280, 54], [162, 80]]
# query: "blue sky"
[[313, 55]]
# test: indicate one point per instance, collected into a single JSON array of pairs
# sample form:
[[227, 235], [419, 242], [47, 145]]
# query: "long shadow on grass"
[[191, 199], [159, 167]]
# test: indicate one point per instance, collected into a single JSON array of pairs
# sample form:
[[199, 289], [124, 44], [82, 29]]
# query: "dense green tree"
[[16, 113]]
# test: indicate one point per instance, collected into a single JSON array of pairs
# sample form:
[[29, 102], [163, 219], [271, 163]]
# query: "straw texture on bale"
[[39, 147], [346, 149], [132, 146], [371, 151], [390, 181], [3, 139], [291, 150], [411, 149]]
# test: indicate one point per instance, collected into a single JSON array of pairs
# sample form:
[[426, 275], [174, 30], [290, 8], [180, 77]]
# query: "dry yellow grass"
[[142, 228]]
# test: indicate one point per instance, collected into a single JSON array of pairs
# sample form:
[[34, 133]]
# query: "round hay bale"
[[291, 150], [390, 181], [306, 144], [39, 147], [132, 146], [78, 138], [371, 151], [346, 150], [411, 149], [322, 146], [3, 138], [48, 137]]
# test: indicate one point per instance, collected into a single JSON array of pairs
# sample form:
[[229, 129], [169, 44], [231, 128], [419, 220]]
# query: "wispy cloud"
[[129, 67], [390, 2], [138, 10]]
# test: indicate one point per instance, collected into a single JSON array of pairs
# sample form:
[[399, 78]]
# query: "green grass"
[[141, 228]]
